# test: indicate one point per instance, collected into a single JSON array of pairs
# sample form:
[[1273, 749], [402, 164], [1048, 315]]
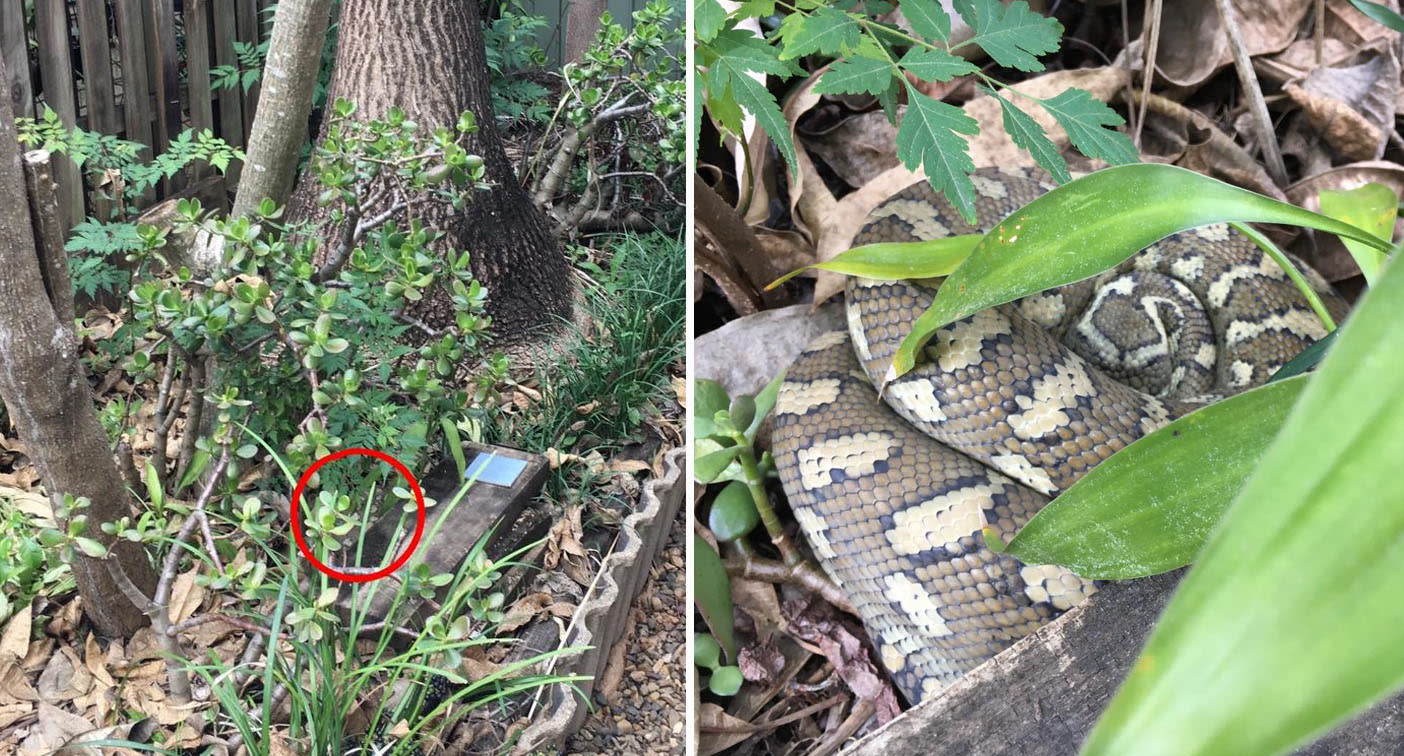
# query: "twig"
[[205, 619], [195, 416], [1150, 29], [1320, 28], [1248, 80], [804, 574]]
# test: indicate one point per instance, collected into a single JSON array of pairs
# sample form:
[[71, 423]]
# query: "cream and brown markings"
[[1006, 408]]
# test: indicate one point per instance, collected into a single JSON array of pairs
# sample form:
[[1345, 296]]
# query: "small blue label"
[[499, 471]]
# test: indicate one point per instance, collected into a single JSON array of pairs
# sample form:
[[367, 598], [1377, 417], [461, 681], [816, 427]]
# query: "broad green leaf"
[[897, 261], [90, 547], [754, 8], [935, 65], [708, 18], [928, 19], [929, 139], [739, 50], [1150, 507], [1372, 207], [1026, 133], [1380, 14], [733, 513], [155, 494], [706, 652], [1089, 123], [726, 681], [826, 30], [856, 75], [711, 590], [1286, 626], [1013, 35], [759, 102], [1089, 225]]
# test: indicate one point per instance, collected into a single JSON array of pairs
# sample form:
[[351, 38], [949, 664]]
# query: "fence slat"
[[96, 50], [247, 12], [56, 76], [168, 68], [197, 63], [14, 47]]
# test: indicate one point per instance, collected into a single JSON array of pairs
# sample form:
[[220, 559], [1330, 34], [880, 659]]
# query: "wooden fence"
[[137, 68], [132, 68]]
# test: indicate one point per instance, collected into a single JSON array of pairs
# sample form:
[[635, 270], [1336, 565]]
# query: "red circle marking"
[[418, 525]]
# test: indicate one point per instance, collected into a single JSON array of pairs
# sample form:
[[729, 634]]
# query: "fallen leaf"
[[14, 641], [186, 596]]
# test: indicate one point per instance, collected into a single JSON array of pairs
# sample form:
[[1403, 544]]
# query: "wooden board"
[[246, 11], [95, 48], [163, 52], [56, 77], [1042, 696], [197, 64]]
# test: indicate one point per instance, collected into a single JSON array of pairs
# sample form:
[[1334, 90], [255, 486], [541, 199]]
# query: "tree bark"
[[280, 122], [427, 58], [582, 21], [47, 395]]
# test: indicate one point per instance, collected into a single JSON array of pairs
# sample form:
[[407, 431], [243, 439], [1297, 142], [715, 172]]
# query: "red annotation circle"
[[418, 525]]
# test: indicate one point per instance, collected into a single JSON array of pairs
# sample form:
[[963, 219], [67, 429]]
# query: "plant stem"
[[755, 482]]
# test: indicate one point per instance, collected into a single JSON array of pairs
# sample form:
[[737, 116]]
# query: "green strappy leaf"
[[1089, 225], [897, 261], [1288, 623], [712, 593], [1150, 507], [1372, 207]]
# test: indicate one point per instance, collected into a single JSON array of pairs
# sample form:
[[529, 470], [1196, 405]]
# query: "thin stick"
[[1151, 29], [1248, 79]]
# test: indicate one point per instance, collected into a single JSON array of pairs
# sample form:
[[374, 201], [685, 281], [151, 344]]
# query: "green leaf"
[[726, 681], [708, 18], [928, 139], [1027, 134], [1087, 226], [706, 652], [1013, 35], [1286, 625], [729, 84], [1306, 359], [1371, 207], [1088, 122], [90, 547], [155, 494], [928, 19], [711, 460], [935, 65], [1380, 14], [897, 261], [733, 513], [708, 398], [826, 30], [765, 402], [856, 75], [1150, 507], [711, 590]]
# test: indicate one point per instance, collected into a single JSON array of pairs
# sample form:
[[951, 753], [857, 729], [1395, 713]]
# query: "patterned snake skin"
[[1008, 408]]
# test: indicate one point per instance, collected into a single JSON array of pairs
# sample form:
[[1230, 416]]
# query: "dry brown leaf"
[[858, 148], [1193, 45], [95, 661], [64, 678], [719, 730], [14, 641], [39, 652], [14, 684], [65, 621], [186, 596], [13, 712], [1204, 147], [54, 728], [1352, 107], [810, 200], [524, 610]]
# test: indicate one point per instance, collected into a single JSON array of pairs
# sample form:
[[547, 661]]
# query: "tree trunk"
[[582, 21], [280, 123], [49, 401], [427, 58]]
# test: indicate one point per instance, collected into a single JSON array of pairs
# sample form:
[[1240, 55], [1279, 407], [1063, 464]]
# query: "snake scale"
[[1006, 409]]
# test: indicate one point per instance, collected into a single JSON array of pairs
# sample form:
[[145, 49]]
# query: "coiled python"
[[1008, 408]]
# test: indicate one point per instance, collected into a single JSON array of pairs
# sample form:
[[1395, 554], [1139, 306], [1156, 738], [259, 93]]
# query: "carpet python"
[[1006, 409]]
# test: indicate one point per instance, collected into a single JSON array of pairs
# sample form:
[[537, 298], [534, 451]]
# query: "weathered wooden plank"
[[246, 11], [95, 47], [231, 118], [197, 63], [56, 86], [1042, 696], [136, 84], [14, 50], [168, 111]]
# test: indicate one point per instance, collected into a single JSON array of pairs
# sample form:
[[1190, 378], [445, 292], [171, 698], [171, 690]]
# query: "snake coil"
[[1006, 409]]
